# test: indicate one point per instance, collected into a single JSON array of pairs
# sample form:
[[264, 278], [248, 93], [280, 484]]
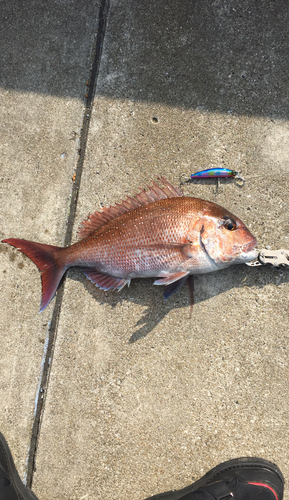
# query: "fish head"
[[225, 238]]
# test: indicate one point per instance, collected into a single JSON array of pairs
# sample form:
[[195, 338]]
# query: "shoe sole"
[[236, 463], [21, 490]]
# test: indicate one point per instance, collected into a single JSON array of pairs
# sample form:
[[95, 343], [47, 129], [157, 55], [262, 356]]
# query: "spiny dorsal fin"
[[149, 195]]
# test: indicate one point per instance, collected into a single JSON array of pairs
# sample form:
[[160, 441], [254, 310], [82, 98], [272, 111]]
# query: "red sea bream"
[[157, 233]]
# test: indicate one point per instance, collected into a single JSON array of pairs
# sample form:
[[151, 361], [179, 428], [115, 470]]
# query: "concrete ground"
[[122, 395]]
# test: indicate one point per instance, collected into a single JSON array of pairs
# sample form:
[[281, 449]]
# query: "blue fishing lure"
[[216, 173]]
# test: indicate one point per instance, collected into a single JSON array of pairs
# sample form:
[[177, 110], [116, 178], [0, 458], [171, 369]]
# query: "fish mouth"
[[249, 251]]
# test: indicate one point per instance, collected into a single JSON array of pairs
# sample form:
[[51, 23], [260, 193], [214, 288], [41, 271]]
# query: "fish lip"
[[249, 247], [248, 252]]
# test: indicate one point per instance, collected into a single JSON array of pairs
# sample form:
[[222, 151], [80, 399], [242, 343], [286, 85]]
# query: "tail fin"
[[47, 259]]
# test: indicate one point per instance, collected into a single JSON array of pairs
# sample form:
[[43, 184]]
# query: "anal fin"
[[105, 281]]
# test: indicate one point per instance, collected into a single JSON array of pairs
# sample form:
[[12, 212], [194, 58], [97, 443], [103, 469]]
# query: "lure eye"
[[230, 224]]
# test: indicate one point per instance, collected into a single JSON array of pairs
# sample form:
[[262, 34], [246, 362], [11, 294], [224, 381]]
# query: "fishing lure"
[[216, 173]]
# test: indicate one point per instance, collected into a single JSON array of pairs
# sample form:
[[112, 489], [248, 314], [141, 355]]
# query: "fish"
[[158, 233]]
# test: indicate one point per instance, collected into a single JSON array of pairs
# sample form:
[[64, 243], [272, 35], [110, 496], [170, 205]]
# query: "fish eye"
[[230, 224]]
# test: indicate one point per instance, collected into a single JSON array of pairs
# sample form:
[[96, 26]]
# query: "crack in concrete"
[[46, 364]]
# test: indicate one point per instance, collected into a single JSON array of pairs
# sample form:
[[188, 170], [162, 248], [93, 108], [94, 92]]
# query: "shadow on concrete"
[[142, 292], [46, 45], [226, 55]]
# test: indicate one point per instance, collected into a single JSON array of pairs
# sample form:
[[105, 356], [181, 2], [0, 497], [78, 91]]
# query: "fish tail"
[[50, 262]]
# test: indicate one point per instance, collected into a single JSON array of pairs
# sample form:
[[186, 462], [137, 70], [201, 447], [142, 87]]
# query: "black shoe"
[[11, 486], [241, 479]]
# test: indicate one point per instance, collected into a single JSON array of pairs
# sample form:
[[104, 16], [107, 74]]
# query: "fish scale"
[[165, 222]]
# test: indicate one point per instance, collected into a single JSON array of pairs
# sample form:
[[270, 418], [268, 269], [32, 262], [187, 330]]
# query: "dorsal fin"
[[149, 195]]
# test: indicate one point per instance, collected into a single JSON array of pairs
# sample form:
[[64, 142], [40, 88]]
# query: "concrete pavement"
[[137, 398]]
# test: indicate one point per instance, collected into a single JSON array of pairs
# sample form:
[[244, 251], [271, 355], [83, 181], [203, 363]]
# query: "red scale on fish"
[[157, 233]]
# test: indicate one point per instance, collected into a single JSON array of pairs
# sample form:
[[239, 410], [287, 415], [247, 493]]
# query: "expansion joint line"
[[53, 324]]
